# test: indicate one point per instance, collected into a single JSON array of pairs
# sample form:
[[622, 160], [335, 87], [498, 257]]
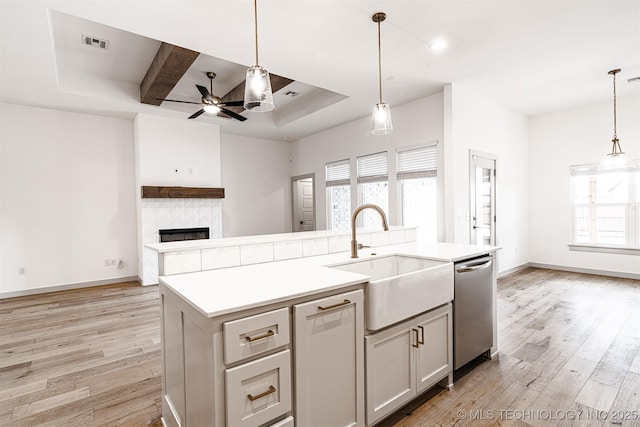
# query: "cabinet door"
[[434, 359], [391, 379], [329, 350]]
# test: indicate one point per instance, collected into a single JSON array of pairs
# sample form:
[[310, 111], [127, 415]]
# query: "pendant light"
[[257, 87], [617, 159], [381, 118]]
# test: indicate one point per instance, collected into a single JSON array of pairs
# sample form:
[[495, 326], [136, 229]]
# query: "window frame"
[[340, 180], [374, 173], [631, 208], [431, 171]]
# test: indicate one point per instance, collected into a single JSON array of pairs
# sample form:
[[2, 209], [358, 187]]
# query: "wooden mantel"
[[150, 192]]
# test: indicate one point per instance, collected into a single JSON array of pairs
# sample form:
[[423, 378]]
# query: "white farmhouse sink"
[[401, 286]]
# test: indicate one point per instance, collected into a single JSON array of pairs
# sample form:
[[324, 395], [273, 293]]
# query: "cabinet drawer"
[[255, 335], [287, 422], [259, 391]]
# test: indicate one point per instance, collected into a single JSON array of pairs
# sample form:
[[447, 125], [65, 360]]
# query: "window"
[[338, 185], [604, 208], [417, 173], [373, 186]]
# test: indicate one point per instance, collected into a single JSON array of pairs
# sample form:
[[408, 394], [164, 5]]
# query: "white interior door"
[[303, 204], [483, 198]]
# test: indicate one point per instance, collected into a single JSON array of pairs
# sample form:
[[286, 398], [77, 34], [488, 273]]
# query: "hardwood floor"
[[81, 358], [569, 356]]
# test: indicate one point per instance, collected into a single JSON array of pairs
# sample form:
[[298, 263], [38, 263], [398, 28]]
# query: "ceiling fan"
[[211, 103]]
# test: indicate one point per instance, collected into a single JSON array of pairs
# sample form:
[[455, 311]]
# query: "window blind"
[[373, 167], [419, 162], [338, 173]]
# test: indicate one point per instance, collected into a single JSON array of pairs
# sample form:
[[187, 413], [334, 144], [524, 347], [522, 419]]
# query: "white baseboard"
[[34, 291], [513, 270], [594, 271], [608, 273]]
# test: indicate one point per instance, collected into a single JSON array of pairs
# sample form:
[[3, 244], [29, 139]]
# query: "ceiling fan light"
[[211, 109], [257, 90], [381, 120]]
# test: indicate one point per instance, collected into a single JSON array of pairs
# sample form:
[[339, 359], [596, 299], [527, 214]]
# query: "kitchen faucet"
[[354, 242]]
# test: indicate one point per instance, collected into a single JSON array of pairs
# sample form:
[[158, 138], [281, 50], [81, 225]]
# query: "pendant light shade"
[[381, 119], [257, 89], [617, 159]]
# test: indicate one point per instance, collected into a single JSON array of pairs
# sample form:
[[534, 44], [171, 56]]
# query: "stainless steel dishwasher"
[[472, 309]]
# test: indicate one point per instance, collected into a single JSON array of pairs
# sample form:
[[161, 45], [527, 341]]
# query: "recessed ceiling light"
[[438, 45]]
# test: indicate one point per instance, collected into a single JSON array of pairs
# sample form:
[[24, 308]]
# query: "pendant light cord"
[[615, 136], [380, 63], [255, 9]]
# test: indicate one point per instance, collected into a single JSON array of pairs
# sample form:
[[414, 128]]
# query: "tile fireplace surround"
[[165, 213]]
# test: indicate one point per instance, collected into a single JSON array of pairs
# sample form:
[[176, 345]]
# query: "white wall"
[[256, 174], [67, 199], [164, 145], [475, 123], [414, 123], [572, 137]]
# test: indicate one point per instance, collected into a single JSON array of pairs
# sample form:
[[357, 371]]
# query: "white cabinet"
[[258, 391], [329, 354], [434, 354], [255, 335], [406, 359]]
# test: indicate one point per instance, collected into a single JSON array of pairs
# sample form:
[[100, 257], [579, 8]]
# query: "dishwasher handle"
[[475, 267]]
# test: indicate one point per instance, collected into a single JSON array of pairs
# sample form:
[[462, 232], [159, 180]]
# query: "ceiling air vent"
[[95, 42]]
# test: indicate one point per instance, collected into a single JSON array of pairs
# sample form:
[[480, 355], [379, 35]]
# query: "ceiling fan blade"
[[232, 104], [175, 100], [197, 113], [232, 114], [205, 93]]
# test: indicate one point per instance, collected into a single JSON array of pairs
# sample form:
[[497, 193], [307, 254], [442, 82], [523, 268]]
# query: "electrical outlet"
[[121, 263], [107, 263], [22, 271]]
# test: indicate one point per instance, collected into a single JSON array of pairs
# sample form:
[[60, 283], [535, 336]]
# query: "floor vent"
[[95, 42]]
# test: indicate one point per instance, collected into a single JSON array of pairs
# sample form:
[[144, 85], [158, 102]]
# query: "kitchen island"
[[281, 342]]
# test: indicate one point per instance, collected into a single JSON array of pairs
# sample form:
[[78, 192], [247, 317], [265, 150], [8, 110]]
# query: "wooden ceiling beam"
[[165, 71]]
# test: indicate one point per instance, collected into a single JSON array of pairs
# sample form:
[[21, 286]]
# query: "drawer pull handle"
[[268, 334], [329, 307], [417, 344], [421, 341], [251, 397]]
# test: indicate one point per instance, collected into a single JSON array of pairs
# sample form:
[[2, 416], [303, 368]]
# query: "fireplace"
[[178, 234]]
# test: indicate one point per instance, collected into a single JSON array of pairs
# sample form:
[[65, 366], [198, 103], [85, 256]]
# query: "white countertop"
[[226, 290]]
